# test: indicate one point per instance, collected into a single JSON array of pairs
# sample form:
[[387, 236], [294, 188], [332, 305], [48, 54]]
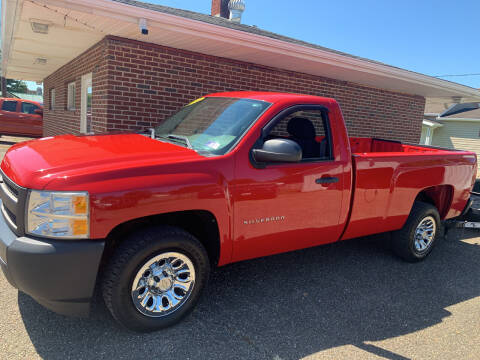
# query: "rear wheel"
[[155, 278], [419, 234]]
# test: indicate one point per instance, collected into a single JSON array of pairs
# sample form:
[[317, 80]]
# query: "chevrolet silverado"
[[230, 177]]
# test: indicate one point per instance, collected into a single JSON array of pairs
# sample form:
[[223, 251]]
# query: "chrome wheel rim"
[[163, 284], [425, 233]]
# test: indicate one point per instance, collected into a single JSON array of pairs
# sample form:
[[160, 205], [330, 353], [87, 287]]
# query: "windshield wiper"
[[182, 138]]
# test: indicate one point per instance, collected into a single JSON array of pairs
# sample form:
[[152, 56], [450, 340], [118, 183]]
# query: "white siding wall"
[[460, 135]]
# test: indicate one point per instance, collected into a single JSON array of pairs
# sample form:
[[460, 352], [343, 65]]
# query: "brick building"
[[101, 72]]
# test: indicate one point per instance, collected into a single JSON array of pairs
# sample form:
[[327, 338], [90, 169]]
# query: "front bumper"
[[59, 274]]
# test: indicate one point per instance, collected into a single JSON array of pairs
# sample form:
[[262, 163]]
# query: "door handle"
[[327, 180]]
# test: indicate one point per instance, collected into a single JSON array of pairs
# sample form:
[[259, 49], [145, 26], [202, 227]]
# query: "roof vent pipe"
[[236, 7]]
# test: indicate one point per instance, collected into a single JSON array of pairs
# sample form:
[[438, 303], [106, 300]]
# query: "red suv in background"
[[21, 117]]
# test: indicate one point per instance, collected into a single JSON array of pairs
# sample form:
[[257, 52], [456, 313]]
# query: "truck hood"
[[33, 164]]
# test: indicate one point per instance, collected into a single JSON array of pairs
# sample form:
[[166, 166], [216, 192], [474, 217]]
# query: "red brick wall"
[[147, 83], [60, 120]]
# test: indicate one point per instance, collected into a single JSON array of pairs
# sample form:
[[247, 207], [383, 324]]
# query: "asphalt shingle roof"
[[219, 21], [438, 108], [472, 114]]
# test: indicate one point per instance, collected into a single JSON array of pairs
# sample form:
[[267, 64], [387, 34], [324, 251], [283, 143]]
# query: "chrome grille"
[[13, 203], [10, 188], [10, 217], [9, 191]]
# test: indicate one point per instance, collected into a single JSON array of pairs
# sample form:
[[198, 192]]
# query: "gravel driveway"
[[347, 300]]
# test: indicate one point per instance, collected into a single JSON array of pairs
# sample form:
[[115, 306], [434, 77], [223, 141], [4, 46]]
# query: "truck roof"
[[24, 100], [272, 97]]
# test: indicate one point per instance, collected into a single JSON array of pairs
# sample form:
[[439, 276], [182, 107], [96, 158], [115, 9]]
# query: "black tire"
[[403, 240], [127, 260]]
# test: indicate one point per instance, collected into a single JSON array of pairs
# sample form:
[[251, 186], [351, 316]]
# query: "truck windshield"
[[212, 124]]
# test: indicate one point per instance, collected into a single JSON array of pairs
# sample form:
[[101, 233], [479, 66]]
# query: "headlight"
[[58, 214]]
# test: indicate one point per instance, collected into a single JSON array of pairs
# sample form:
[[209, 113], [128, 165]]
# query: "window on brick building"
[[307, 127], [52, 99], [71, 96]]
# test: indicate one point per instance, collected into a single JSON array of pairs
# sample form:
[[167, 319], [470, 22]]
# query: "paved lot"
[[346, 300], [7, 141], [341, 301]]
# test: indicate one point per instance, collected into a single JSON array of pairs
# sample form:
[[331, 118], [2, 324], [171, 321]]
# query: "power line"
[[448, 75], [66, 16]]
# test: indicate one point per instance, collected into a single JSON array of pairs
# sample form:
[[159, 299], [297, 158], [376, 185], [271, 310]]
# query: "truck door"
[[280, 207], [30, 121], [9, 117]]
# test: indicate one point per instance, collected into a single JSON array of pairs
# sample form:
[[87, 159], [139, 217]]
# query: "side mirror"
[[38, 111], [278, 150]]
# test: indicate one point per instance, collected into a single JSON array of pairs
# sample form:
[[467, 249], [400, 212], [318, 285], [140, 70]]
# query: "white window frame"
[[71, 94], [52, 99]]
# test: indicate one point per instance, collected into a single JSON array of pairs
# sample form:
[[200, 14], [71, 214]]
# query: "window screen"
[[9, 105], [28, 108], [308, 129]]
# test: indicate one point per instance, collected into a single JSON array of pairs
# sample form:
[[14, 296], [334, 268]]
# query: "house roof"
[[435, 108], [219, 21], [76, 25], [473, 115]]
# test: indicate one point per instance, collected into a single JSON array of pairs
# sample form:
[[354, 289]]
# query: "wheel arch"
[[200, 223], [439, 196]]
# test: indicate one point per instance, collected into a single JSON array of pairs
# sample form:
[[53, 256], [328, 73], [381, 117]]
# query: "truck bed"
[[389, 175], [369, 146]]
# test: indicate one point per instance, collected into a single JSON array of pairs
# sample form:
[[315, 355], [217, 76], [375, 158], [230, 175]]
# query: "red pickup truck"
[[21, 117], [230, 177]]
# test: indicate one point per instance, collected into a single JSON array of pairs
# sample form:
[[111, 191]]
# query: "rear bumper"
[[59, 274], [467, 207]]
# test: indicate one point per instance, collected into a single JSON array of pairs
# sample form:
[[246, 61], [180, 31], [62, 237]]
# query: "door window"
[[28, 108], [86, 103], [9, 105], [308, 128], [89, 109]]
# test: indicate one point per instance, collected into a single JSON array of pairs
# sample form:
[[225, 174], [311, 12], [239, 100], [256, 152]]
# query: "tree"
[[12, 85], [16, 86]]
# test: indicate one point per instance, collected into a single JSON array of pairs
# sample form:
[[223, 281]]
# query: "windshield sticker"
[[213, 145], [195, 101]]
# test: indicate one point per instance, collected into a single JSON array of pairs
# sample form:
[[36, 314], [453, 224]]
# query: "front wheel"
[[155, 278], [419, 234]]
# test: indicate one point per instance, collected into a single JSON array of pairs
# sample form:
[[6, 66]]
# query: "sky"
[[431, 37]]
